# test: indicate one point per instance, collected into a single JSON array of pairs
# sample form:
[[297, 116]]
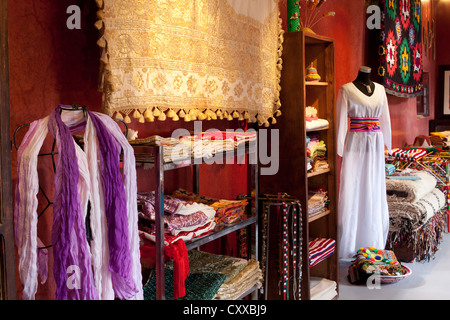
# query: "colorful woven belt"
[[365, 124]]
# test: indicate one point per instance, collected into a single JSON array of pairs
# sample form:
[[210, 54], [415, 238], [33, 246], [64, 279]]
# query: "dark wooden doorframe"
[[7, 265]]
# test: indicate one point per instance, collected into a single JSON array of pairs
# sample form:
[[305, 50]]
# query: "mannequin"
[[363, 82], [363, 131]]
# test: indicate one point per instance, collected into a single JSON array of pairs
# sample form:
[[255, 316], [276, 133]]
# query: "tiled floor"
[[428, 281]]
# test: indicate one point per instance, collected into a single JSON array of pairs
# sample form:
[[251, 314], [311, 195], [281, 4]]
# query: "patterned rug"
[[400, 51]]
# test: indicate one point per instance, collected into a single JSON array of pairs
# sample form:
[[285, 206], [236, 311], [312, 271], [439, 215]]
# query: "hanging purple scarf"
[[70, 247], [116, 212]]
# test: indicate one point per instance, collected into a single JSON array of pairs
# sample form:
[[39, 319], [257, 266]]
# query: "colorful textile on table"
[[175, 60], [365, 124], [400, 51], [371, 261], [407, 153]]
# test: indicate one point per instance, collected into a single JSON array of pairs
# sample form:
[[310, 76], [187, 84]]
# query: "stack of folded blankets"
[[317, 202], [183, 220], [240, 274], [416, 220], [230, 277], [316, 151], [322, 288], [202, 145], [441, 139], [226, 211]]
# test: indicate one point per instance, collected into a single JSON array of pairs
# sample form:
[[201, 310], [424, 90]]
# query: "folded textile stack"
[[237, 137], [316, 151], [316, 124], [320, 249], [248, 278], [198, 286], [409, 185], [227, 211], [312, 120], [207, 147], [322, 289], [413, 200], [202, 145], [190, 196], [240, 274], [441, 139], [317, 202], [407, 153], [182, 219]]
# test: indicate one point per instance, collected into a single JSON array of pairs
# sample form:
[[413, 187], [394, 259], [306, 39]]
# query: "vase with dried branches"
[[303, 15]]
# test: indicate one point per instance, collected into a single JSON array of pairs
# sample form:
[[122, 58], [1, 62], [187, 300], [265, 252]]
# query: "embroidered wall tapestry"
[[192, 59], [400, 52]]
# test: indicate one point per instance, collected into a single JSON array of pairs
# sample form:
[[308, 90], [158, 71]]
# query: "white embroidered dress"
[[363, 217]]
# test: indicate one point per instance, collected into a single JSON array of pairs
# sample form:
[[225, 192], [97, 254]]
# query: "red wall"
[[442, 34], [50, 64], [352, 47]]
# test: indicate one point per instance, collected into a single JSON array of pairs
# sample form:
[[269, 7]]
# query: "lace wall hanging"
[[193, 59]]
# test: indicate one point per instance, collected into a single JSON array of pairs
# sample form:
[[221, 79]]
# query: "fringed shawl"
[[108, 266]]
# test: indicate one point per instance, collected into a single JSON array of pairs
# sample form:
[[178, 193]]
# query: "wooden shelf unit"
[[299, 51]]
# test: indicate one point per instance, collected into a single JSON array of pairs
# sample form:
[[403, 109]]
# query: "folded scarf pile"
[[227, 211], [317, 203], [202, 145], [183, 220], [316, 152]]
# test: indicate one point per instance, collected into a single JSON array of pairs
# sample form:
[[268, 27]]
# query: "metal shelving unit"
[[154, 156]]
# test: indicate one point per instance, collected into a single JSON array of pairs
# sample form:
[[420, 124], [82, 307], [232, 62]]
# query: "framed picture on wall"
[[443, 109]]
